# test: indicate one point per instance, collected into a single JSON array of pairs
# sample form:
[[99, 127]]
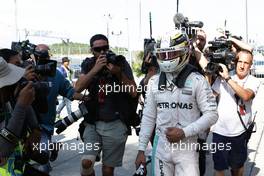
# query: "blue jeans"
[[45, 141], [67, 102]]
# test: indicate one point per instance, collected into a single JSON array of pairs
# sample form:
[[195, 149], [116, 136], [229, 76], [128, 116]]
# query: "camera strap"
[[239, 115], [241, 108]]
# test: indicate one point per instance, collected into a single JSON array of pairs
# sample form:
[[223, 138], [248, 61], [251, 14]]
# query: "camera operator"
[[235, 94], [150, 68], [16, 116], [174, 101], [104, 126], [60, 86]]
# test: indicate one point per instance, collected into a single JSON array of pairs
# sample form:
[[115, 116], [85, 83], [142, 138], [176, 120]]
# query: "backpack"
[[127, 107]]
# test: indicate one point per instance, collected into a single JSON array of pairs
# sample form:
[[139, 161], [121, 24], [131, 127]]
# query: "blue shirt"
[[60, 86], [63, 71]]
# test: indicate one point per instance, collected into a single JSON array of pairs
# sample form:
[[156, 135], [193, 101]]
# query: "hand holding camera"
[[30, 74], [101, 61], [224, 73]]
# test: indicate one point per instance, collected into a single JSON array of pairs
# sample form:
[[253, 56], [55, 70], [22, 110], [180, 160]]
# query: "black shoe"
[[54, 153]]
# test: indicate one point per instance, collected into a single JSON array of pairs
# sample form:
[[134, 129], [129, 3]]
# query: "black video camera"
[[189, 27], [220, 52], [149, 47], [46, 67], [27, 49]]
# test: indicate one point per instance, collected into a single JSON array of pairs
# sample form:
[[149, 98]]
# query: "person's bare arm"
[[85, 79], [241, 44]]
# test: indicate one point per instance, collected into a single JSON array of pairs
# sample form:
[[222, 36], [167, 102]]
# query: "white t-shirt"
[[228, 123]]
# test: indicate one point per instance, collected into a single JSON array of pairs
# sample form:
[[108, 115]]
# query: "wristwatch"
[[228, 78]]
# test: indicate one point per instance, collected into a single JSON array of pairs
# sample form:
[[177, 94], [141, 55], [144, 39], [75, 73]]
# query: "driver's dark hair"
[[97, 37]]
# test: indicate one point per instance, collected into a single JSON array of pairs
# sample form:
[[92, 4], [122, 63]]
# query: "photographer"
[[235, 94], [103, 123], [16, 116], [60, 86], [175, 100]]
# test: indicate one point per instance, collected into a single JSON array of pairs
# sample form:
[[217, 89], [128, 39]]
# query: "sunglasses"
[[101, 48]]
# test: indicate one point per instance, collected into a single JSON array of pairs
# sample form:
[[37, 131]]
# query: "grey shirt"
[[19, 117]]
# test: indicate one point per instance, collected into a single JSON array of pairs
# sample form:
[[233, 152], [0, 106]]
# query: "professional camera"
[[189, 27], [220, 52], [113, 58], [46, 67], [61, 125], [40, 104]]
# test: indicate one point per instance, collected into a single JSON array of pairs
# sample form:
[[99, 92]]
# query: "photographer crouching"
[[104, 128], [16, 118]]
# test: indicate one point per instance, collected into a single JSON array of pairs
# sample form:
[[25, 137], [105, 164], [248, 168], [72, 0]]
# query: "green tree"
[[136, 65]]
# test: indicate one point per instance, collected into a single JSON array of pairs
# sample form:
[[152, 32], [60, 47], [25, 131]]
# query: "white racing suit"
[[181, 108]]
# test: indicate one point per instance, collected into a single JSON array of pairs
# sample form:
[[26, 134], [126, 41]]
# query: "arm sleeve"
[[32, 120], [15, 126], [253, 84], [208, 107], [15, 123], [148, 119]]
